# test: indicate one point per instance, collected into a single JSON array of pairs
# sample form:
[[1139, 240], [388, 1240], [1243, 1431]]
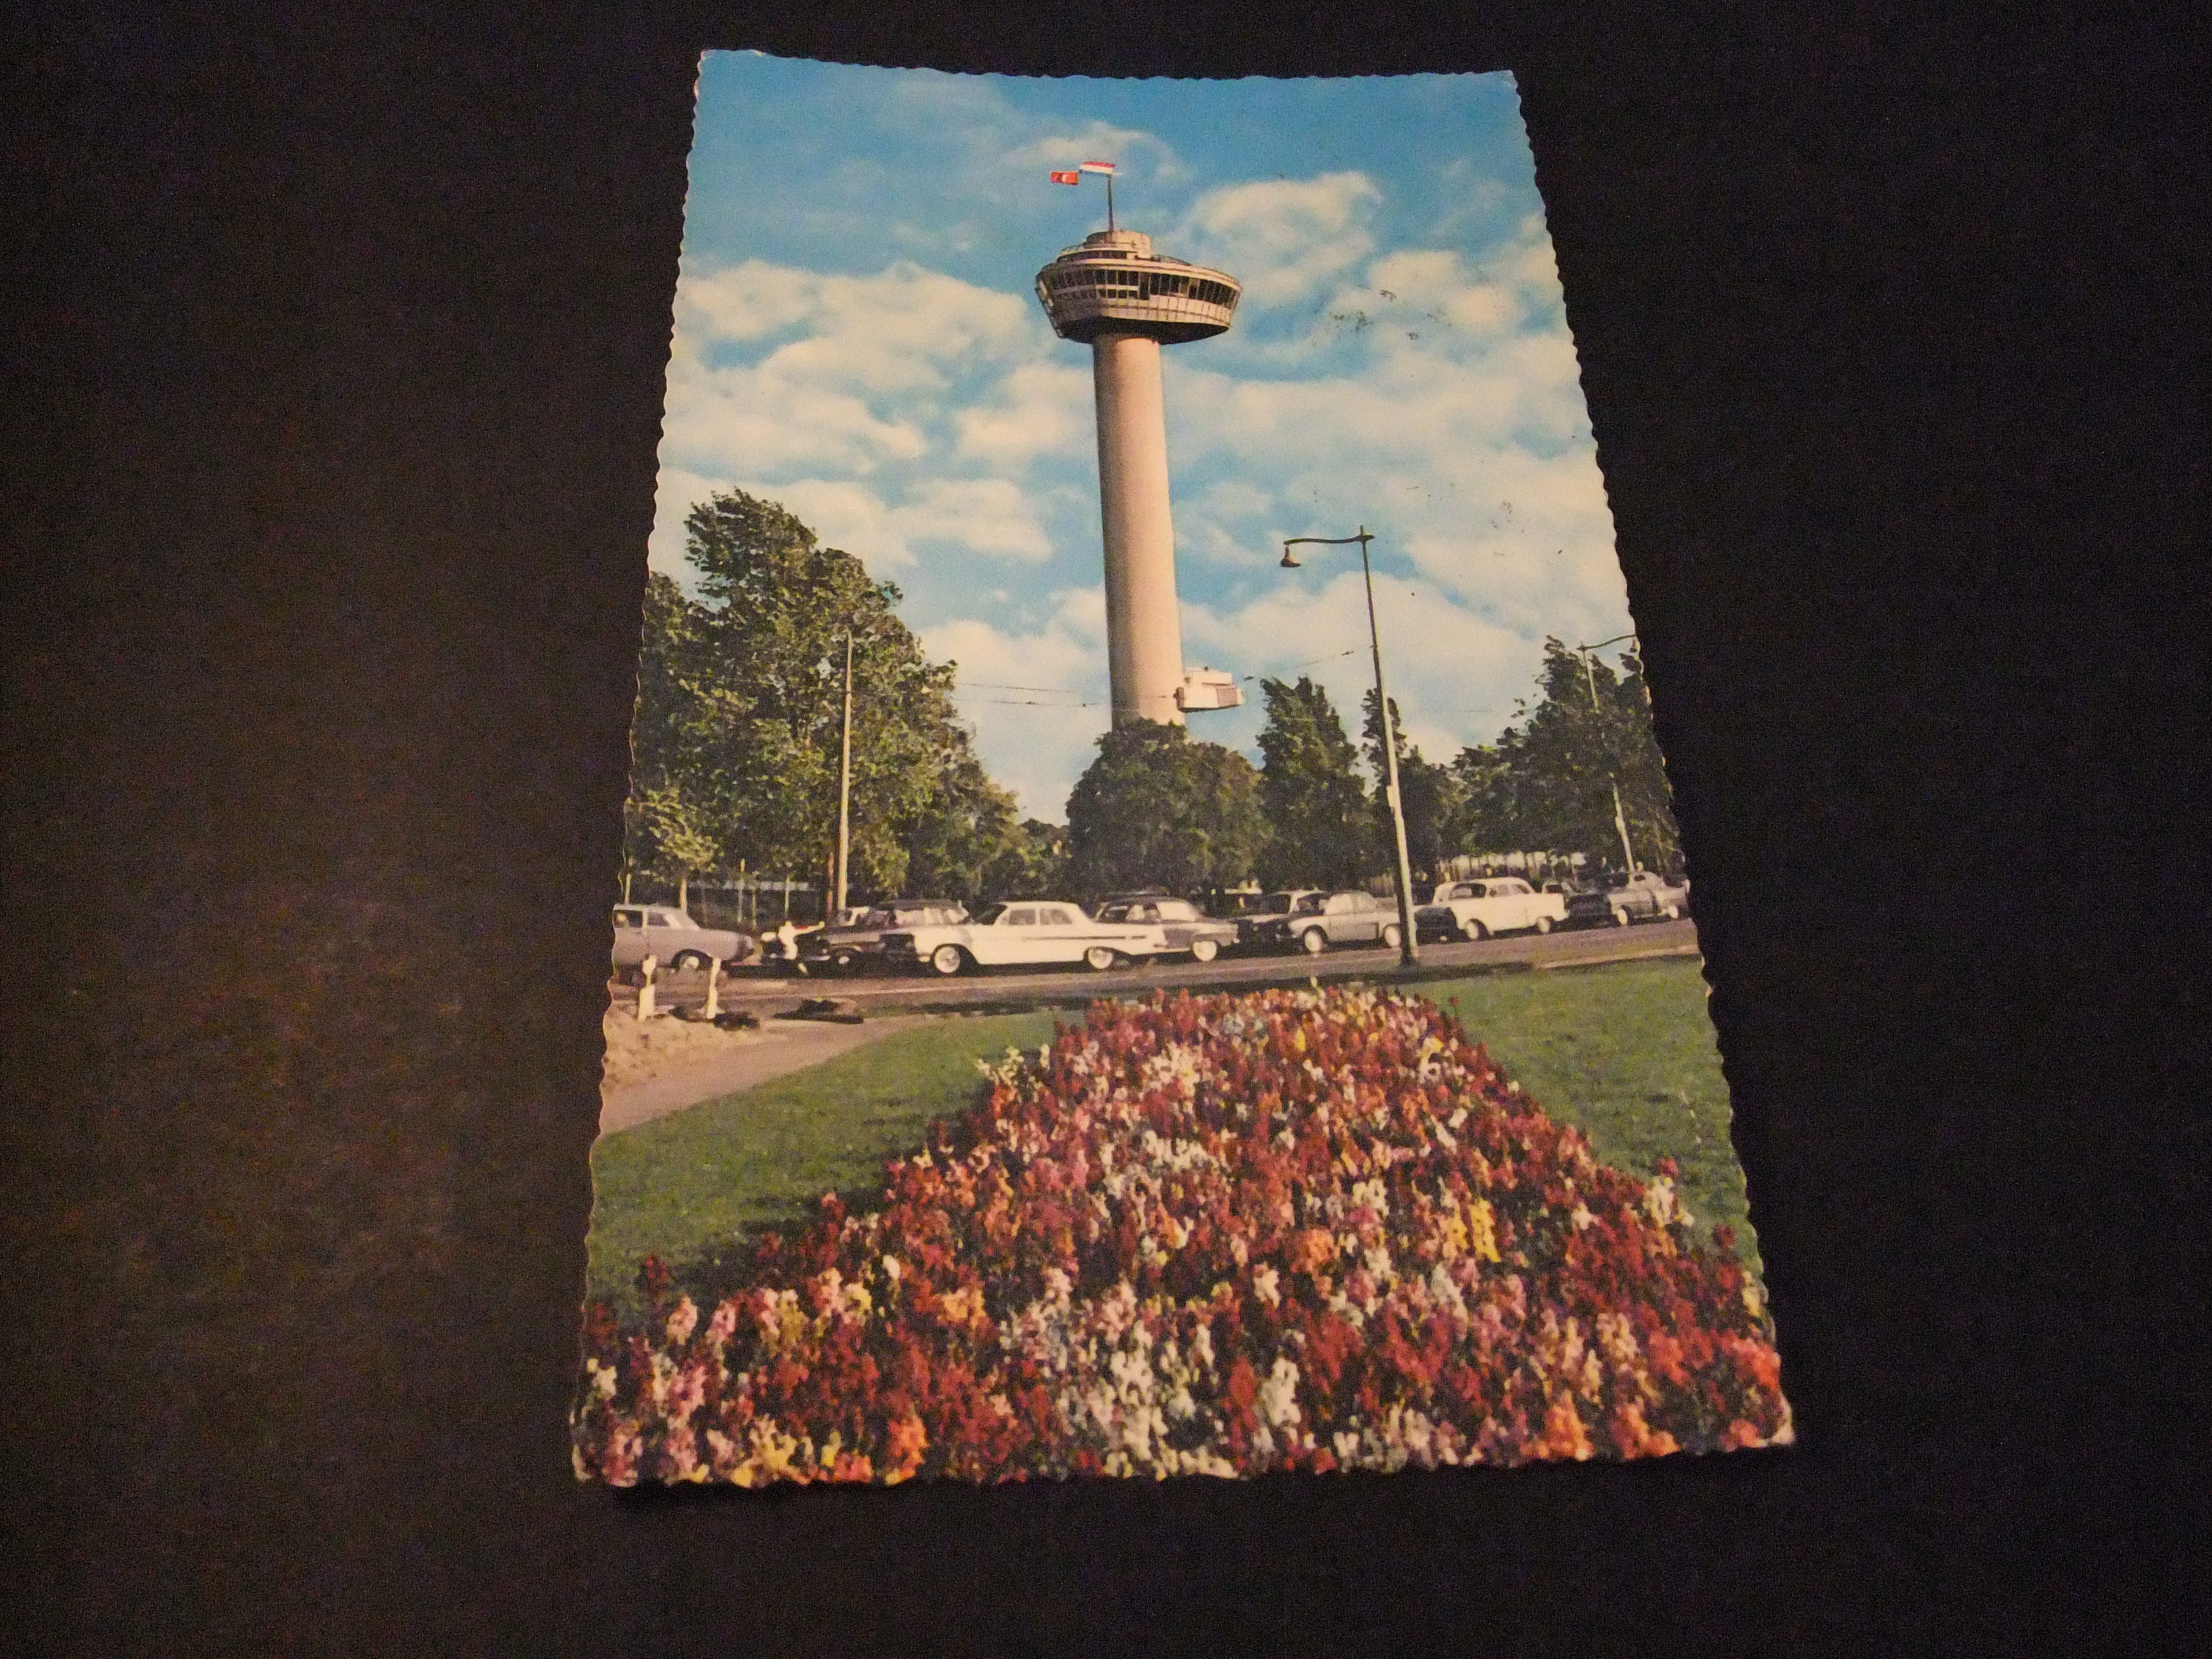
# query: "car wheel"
[[1543, 924], [948, 959], [845, 961], [1620, 918], [1392, 938], [1098, 958], [1205, 949], [1474, 931], [1673, 913], [1313, 941], [686, 960]]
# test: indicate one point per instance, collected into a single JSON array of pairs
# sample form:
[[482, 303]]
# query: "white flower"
[[1278, 1394], [1264, 1281], [684, 1321]]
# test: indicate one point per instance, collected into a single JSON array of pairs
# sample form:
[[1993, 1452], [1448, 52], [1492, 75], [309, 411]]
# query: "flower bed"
[[1288, 1229]]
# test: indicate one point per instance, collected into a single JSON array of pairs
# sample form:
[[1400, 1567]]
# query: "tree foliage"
[[1160, 809], [1319, 828], [735, 744], [1429, 792], [1033, 865], [1547, 783]]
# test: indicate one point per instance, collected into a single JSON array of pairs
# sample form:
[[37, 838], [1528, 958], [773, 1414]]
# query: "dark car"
[[1255, 922], [1643, 896], [855, 946], [1187, 927]]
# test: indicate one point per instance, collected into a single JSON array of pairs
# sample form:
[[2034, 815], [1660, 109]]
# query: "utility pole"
[[845, 784], [1408, 947], [1590, 678]]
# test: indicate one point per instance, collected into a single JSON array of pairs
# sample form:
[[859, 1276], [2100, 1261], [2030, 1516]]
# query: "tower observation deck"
[[1113, 294]]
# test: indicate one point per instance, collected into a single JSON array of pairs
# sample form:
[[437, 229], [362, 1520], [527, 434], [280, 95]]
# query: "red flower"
[[1288, 1230]]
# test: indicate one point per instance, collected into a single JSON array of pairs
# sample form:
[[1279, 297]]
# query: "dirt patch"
[[637, 1054]]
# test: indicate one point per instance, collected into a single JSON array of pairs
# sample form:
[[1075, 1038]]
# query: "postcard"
[[1151, 938]]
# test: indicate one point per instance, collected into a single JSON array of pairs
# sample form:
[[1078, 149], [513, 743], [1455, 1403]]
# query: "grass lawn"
[[691, 1185], [1624, 1052]]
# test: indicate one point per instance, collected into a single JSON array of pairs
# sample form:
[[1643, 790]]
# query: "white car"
[[1494, 904], [1022, 933], [672, 938]]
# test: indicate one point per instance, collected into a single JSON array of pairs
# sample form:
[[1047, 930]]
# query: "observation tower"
[[1113, 294]]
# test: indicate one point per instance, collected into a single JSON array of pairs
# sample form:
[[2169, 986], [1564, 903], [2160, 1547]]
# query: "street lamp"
[[1590, 678], [1408, 951]]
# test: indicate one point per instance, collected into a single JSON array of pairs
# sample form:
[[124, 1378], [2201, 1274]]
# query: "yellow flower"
[[1482, 1230]]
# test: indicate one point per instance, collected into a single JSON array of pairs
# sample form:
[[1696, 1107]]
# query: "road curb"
[[1618, 955], [1042, 1002]]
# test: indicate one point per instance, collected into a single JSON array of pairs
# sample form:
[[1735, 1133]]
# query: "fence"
[[751, 904]]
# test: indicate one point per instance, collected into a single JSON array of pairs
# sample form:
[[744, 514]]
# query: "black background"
[[340, 334]]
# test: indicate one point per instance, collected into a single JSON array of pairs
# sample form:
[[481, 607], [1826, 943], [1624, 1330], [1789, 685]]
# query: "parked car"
[[1493, 904], [1262, 910], [1023, 933], [1643, 897], [849, 945], [1317, 921], [1187, 927], [672, 938]]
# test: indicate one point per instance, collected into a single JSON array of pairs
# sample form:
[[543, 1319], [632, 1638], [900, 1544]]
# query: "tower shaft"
[[1116, 295], [1144, 631]]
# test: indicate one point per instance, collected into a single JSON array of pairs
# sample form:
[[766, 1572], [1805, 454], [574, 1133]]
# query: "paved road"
[[763, 993]]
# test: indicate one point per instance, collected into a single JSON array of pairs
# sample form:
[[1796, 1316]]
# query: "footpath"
[[670, 1064]]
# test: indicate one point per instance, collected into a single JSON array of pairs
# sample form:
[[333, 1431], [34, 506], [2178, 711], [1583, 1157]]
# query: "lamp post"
[[844, 861], [1590, 678], [1408, 950]]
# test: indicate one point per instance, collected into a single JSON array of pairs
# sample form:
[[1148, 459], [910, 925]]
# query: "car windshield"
[[990, 914], [1115, 913], [1275, 904], [1310, 904]]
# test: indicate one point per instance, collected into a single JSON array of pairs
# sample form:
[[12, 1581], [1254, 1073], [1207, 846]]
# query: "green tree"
[[1547, 783], [968, 832], [735, 742], [1034, 864], [1430, 795], [1159, 809], [668, 816], [1646, 799], [1316, 807]]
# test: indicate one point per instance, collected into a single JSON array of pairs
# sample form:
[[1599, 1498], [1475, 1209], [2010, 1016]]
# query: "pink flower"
[[1122, 1261]]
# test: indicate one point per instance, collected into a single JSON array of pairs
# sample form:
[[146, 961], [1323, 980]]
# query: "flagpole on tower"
[[1109, 201]]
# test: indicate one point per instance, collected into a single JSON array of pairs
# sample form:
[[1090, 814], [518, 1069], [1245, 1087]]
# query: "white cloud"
[[679, 491], [982, 517], [935, 429], [1453, 672], [855, 386], [1132, 150], [1473, 198], [988, 516], [1039, 409], [1036, 693], [1283, 239]]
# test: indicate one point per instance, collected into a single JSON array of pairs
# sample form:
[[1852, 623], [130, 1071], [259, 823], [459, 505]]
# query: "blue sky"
[[857, 338]]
